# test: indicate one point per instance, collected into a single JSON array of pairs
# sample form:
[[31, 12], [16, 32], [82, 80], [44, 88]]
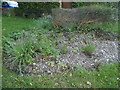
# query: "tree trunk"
[[66, 4]]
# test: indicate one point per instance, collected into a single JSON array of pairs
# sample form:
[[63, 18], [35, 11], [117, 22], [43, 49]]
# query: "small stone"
[[49, 72], [36, 67], [92, 64], [34, 70], [107, 60], [96, 60], [34, 63]]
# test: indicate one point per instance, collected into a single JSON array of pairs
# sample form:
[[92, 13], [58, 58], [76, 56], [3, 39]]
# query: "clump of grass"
[[24, 49], [71, 27], [63, 49], [43, 23], [88, 49], [47, 45], [73, 39]]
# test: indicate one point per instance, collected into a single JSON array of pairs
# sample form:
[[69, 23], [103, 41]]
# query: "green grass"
[[106, 77], [10, 24], [108, 26], [88, 50], [14, 23]]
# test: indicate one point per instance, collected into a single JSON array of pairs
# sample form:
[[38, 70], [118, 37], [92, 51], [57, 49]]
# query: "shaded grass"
[[111, 26], [14, 23], [106, 77], [10, 24]]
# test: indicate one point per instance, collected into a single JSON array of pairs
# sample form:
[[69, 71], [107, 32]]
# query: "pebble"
[[34, 64], [49, 72]]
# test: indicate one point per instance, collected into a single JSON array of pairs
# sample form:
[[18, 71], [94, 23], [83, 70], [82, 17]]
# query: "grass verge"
[[106, 77]]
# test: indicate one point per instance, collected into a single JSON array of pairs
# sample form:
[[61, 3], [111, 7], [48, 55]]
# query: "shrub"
[[77, 17]]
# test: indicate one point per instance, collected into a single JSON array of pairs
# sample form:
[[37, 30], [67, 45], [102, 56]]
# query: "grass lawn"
[[106, 77], [10, 24]]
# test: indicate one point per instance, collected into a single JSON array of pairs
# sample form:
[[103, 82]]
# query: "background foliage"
[[35, 5], [49, 5]]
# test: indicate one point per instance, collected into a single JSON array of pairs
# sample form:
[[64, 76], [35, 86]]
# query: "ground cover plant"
[[24, 47], [88, 50]]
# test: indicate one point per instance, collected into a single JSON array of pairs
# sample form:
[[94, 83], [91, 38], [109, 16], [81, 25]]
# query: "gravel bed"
[[106, 52]]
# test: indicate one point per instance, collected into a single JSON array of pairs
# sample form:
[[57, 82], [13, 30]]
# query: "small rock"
[[34, 63], [49, 72]]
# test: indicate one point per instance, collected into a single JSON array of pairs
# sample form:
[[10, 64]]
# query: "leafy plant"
[[63, 49], [62, 64], [88, 50], [70, 27], [73, 39], [47, 46], [43, 23], [24, 49]]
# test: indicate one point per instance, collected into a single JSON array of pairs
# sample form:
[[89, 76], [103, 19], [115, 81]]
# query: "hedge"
[[62, 17], [23, 6], [47, 6]]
